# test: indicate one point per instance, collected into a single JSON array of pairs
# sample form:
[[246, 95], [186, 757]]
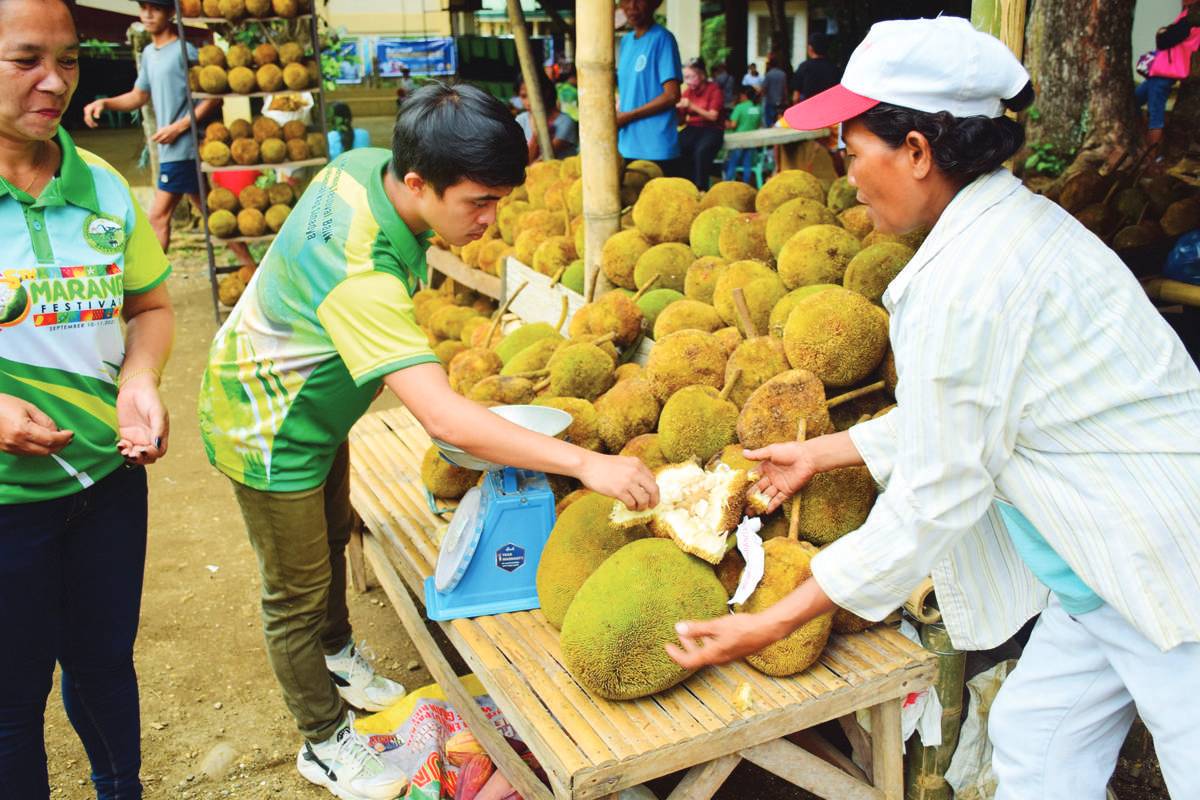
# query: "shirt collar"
[[73, 184], [409, 248], [971, 201]]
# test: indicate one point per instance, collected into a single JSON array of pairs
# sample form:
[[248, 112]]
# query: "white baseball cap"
[[930, 65]]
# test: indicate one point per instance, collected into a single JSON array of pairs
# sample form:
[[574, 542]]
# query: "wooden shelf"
[[208, 96], [452, 266], [243, 20], [308, 162]]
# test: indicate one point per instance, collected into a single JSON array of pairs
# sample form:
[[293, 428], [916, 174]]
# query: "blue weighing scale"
[[488, 560]]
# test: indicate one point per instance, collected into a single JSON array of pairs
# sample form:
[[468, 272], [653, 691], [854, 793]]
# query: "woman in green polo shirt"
[[80, 416]]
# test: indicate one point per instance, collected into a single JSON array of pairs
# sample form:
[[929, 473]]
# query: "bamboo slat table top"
[[590, 746]]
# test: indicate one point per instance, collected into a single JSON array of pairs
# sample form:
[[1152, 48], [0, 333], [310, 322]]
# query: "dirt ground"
[[213, 720]]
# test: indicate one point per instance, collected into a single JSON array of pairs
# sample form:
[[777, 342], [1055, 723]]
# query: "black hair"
[[749, 92], [548, 92], [451, 133], [819, 42], [343, 124], [963, 147]]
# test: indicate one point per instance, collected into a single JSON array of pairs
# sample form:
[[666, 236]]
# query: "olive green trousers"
[[300, 540]]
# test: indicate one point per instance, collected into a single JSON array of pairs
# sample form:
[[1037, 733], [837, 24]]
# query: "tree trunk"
[[781, 38], [1183, 124], [1078, 53], [736, 31]]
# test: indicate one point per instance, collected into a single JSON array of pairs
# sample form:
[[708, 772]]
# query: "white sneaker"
[[357, 683], [349, 769]]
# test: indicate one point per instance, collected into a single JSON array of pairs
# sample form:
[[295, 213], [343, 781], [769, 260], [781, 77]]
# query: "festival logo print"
[[104, 233], [56, 296]]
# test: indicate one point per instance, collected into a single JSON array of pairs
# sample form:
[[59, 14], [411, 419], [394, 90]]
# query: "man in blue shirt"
[[648, 78]]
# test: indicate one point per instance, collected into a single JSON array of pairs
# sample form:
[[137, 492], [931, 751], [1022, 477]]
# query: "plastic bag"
[[1183, 264], [970, 771]]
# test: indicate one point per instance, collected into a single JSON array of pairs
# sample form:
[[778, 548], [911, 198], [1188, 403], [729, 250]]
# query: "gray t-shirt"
[[563, 128], [163, 75], [775, 87]]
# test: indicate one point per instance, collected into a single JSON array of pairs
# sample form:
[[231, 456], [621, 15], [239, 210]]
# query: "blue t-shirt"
[[361, 139], [1075, 596], [645, 64], [163, 75]]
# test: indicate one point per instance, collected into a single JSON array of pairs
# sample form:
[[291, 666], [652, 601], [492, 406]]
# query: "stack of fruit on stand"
[[262, 143], [238, 10], [257, 210], [1130, 209], [245, 70], [767, 323]]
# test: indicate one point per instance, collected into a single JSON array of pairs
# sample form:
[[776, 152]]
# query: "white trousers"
[[1060, 719]]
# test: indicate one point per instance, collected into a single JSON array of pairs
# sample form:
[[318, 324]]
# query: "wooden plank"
[[762, 727], [558, 754], [703, 781], [539, 301], [822, 748], [801, 768], [307, 162], [887, 749], [716, 702], [506, 759], [454, 267], [594, 735], [768, 137]]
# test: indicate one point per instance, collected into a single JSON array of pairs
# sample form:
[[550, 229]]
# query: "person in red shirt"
[[700, 108]]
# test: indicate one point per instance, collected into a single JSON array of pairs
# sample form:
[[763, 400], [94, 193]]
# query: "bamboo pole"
[[597, 137], [531, 72], [926, 767]]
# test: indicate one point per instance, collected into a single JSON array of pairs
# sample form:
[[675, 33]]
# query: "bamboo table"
[[591, 747]]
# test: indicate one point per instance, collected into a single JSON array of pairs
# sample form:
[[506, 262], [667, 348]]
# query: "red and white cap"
[[930, 65]]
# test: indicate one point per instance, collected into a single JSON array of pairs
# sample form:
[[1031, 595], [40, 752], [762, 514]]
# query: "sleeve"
[[713, 99], [667, 65], [875, 441], [737, 114], [143, 79], [1173, 34], [369, 317], [940, 483], [146, 265]]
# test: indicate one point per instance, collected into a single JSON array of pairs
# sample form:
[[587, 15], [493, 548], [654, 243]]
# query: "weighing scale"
[[488, 560]]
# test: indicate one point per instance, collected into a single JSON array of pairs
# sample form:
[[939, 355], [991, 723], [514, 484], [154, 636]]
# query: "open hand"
[[785, 469], [721, 640], [622, 477], [92, 112], [26, 431], [143, 421]]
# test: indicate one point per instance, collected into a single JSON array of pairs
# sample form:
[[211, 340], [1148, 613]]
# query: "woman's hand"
[[785, 469], [722, 640], [26, 431], [143, 420], [627, 479]]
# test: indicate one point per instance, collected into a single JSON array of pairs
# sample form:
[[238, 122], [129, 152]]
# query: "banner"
[[433, 56], [352, 60]]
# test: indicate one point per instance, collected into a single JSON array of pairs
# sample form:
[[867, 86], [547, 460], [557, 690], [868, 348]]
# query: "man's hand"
[[26, 431], [622, 477], [92, 111], [169, 133], [143, 421], [722, 640], [785, 469], [624, 118]]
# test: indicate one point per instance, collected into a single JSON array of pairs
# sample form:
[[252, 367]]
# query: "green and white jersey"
[[74, 252], [326, 316]]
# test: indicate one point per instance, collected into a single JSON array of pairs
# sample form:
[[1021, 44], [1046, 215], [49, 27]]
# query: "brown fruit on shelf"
[[270, 78], [276, 215], [273, 151], [294, 130], [285, 8], [316, 145], [281, 194], [295, 76], [191, 8], [213, 79], [233, 10], [242, 80], [239, 55], [253, 197], [266, 128], [251, 222], [210, 56], [215, 153], [245, 151], [297, 150], [290, 53], [258, 8], [240, 129], [212, 8], [265, 54], [221, 198], [216, 132], [222, 223]]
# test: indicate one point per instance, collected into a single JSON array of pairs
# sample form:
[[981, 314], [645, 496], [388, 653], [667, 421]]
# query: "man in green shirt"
[[325, 324]]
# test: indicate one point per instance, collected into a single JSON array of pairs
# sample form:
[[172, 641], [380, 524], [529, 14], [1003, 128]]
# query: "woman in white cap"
[[1044, 455]]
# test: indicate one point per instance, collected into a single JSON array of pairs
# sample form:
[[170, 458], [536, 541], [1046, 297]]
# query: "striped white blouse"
[[1032, 368]]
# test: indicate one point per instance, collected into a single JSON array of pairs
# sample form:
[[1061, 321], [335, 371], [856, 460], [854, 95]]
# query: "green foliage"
[[98, 48], [712, 41], [1047, 160]]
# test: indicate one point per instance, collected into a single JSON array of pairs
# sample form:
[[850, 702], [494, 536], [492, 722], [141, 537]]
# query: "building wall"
[[390, 17], [758, 31]]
